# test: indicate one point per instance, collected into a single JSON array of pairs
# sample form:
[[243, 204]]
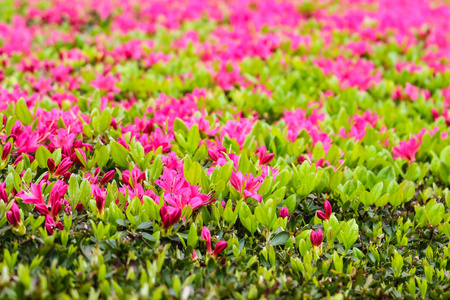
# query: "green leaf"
[[42, 155], [194, 174], [280, 239], [193, 139], [291, 203], [119, 154], [105, 119], [387, 173], [83, 104], [180, 127], [192, 237], [23, 113], [377, 191], [148, 236], [145, 225], [95, 100]]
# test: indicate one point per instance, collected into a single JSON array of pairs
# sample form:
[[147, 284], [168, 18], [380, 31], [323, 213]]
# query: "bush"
[[200, 149]]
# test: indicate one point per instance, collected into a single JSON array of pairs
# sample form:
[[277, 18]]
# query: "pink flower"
[[169, 218], [411, 91], [206, 235], [107, 177], [3, 194], [328, 210], [50, 224], [246, 184], [13, 215], [43, 85], [407, 149], [188, 196], [6, 151], [136, 176], [264, 158], [55, 200], [26, 141], [35, 197], [63, 140], [316, 238], [301, 159], [106, 83], [171, 182], [284, 212], [63, 166], [445, 114], [99, 196], [216, 152], [220, 246]]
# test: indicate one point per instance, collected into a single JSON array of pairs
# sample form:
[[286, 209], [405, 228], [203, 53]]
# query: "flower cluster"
[[224, 149]]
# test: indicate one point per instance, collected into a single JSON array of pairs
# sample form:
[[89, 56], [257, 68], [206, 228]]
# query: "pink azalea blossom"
[[407, 149], [220, 247], [13, 215], [248, 185], [284, 212], [316, 238], [328, 210], [51, 225], [206, 236]]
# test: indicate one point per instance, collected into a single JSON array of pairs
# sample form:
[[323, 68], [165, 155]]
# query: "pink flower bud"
[[108, 176], [50, 225], [169, 218], [63, 166], [13, 215], [79, 206], [99, 196], [284, 212], [3, 194], [222, 245], [206, 235], [264, 158], [51, 165], [6, 151], [316, 238], [301, 159], [328, 210]]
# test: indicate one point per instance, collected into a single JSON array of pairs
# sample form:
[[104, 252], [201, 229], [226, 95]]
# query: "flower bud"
[[6, 151], [222, 245], [284, 212]]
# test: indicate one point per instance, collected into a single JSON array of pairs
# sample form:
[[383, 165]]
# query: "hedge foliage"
[[224, 149]]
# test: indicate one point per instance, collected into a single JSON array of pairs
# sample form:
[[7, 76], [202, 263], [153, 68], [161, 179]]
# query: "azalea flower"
[[206, 236], [13, 215], [169, 218], [328, 210], [136, 176], [264, 158], [51, 225], [172, 182], [6, 151], [284, 212], [187, 196], [55, 200], [316, 238], [248, 185], [407, 149], [220, 246]]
